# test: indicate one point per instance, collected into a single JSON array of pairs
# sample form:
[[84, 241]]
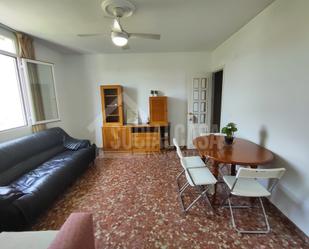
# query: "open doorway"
[[216, 101]]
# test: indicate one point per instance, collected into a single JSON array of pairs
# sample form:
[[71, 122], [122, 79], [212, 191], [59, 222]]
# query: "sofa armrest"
[[8, 194], [76, 232]]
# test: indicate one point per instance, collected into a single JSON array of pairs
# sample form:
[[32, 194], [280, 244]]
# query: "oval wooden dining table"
[[241, 152]]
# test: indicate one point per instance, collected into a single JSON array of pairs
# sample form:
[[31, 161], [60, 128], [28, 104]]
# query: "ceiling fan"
[[118, 9]]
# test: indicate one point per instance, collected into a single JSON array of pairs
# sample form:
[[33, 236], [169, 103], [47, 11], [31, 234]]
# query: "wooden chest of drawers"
[[146, 142], [135, 138]]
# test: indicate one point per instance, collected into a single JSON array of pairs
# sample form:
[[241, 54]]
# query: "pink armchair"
[[75, 233]]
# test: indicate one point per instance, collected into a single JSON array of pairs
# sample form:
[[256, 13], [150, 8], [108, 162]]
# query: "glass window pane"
[[203, 119], [204, 83], [203, 106], [41, 84], [7, 41], [195, 106], [195, 95], [11, 105], [195, 83], [203, 94]]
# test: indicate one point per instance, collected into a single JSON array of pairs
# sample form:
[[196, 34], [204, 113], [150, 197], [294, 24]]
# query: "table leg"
[[233, 170], [252, 200], [169, 134], [215, 171]]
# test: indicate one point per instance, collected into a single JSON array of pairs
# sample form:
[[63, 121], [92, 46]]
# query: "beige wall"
[[265, 91]]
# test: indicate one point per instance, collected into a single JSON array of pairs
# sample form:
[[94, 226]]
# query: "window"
[[39, 95], [12, 112], [41, 91]]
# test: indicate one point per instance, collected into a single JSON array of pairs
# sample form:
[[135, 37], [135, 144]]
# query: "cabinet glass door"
[[111, 105]]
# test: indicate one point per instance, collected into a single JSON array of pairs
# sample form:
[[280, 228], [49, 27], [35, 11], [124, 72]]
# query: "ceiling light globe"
[[120, 39]]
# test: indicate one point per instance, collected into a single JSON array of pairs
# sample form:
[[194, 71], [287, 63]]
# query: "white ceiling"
[[184, 25]]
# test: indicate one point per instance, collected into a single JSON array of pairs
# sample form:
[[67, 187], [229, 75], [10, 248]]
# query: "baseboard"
[[299, 232]]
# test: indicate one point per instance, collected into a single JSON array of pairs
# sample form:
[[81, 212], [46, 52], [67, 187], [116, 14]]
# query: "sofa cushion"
[[43, 184], [21, 155], [13, 173]]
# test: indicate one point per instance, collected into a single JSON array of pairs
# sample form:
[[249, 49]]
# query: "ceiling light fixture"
[[120, 39]]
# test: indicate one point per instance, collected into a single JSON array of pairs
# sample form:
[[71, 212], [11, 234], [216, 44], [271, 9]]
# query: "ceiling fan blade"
[[145, 36], [88, 35], [116, 25]]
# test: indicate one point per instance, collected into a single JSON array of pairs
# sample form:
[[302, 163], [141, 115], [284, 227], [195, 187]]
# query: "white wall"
[[48, 54], [138, 73], [265, 91]]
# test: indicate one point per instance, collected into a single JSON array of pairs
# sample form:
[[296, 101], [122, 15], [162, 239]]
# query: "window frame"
[[32, 118], [11, 35], [20, 86]]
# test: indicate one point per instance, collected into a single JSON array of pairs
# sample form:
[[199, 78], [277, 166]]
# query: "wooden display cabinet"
[[158, 110], [118, 136], [112, 109]]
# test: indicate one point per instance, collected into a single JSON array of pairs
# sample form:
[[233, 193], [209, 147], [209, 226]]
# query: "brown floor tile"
[[134, 204]]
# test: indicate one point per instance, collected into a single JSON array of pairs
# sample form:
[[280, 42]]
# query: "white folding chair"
[[198, 177], [246, 184], [190, 161]]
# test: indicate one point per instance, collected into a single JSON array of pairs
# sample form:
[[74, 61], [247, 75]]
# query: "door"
[[199, 108], [216, 102]]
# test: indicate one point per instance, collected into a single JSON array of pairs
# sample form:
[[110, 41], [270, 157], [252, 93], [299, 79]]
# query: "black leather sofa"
[[34, 170]]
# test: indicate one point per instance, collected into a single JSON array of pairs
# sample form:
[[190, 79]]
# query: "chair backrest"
[[183, 164], [178, 150], [207, 134], [260, 173]]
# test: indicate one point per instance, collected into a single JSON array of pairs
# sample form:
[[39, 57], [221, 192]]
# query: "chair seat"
[[200, 176], [246, 187], [193, 161]]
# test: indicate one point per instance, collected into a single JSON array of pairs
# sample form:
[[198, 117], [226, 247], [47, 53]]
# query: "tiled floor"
[[134, 203]]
